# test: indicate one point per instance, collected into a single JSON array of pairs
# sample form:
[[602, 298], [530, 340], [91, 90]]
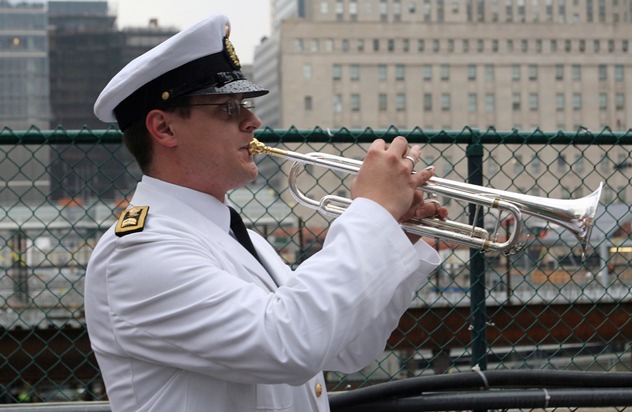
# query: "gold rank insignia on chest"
[[131, 220]]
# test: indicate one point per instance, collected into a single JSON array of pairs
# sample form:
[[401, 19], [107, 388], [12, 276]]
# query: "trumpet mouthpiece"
[[256, 147]]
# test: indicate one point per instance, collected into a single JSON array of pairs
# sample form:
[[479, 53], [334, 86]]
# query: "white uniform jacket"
[[182, 318]]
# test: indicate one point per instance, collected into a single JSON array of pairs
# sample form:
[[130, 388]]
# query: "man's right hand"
[[386, 177]]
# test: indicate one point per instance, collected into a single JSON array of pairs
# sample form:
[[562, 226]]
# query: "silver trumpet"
[[575, 215]]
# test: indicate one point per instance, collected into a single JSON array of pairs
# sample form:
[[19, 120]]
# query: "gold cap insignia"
[[229, 49], [230, 52], [131, 220]]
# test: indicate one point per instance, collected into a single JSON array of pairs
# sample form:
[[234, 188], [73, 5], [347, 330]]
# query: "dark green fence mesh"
[[546, 307]]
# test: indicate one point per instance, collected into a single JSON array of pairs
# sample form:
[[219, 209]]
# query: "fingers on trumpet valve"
[[432, 208]]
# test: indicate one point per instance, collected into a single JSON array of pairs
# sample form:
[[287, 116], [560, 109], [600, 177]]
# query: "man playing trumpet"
[[183, 317]]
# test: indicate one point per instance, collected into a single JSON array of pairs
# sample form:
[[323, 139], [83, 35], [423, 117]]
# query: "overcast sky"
[[250, 19]]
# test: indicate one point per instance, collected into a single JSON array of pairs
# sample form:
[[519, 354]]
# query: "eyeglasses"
[[232, 107]]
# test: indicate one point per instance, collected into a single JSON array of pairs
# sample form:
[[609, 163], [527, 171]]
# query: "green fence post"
[[478, 312]]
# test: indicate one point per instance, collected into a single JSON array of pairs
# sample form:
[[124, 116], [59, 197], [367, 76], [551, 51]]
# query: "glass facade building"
[[24, 87]]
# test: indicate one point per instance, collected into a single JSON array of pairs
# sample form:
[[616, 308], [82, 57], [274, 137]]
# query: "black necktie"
[[240, 232]]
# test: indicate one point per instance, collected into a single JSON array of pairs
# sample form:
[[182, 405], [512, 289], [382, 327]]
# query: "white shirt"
[[182, 318]]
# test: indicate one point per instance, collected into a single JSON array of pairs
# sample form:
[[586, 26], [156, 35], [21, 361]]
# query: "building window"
[[336, 72], [436, 46], [493, 165], [559, 72], [489, 72], [553, 46], [490, 103], [603, 72], [618, 72], [536, 165], [561, 163], [427, 102], [559, 102], [324, 7], [516, 102], [381, 72], [605, 164], [307, 71], [353, 10], [517, 164], [471, 72], [426, 72], [445, 72], [383, 10], [577, 101], [533, 101], [400, 102], [619, 101], [382, 102], [397, 10], [390, 45], [329, 45], [580, 164], [376, 45], [308, 104], [533, 72], [313, 45], [426, 11], [337, 103], [360, 44], [354, 72], [421, 45], [576, 72], [466, 46], [355, 102], [472, 103], [339, 9], [515, 72], [298, 45], [345, 45], [400, 72], [445, 101], [603, 101], [406, 45]]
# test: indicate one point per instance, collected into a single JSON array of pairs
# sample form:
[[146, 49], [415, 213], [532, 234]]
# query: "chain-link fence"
[[545, 307]]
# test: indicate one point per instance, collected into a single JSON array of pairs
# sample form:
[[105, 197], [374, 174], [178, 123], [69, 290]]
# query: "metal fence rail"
[[545, 308]]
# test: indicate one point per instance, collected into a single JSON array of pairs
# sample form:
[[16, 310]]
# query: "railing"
[[544, 308]]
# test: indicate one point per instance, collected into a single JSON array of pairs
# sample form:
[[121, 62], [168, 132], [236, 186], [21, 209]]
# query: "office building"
[[437, 64]]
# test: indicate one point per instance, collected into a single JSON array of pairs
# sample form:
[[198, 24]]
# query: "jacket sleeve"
[[372, 341], [174, 300]]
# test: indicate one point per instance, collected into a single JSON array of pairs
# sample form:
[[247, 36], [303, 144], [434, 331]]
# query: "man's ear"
[[158, 123]]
